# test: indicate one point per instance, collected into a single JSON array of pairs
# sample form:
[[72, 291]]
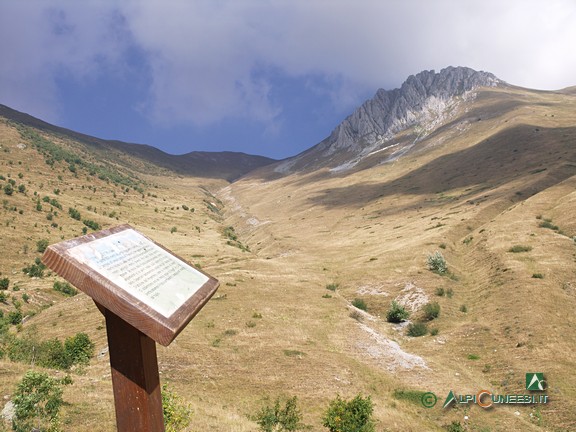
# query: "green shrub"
[[177, 415], [396, 313], [537, 276], [417, 329], [15, 317], [79, 348], [230, 233], [65, 288], [185, 207], [463, 308], [41, 245], [332, 286], [349, 416], [413, 396], [455, 426], [437, 263], [74, 214], [4, 283], [520, 248], [449, 292], [431, 311], [52, 354], [91, 224], [434, 331], [360, 304], [547, 223], [35, 270], [8, 189], [440, 292], [173, 230], [280, 417], [37, 402]]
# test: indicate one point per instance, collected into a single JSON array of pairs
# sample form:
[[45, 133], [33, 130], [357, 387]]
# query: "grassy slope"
[[477, 187], [370, 232]]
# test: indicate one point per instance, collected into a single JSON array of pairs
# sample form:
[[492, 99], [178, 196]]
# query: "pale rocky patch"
[[386, 352]]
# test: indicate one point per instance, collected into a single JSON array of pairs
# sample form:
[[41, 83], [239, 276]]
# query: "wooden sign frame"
[[160, 326]]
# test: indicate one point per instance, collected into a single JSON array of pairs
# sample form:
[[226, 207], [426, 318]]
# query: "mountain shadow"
[[520, 151]]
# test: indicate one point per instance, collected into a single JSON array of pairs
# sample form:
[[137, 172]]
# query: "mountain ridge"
[[226, 165], [424, 99]]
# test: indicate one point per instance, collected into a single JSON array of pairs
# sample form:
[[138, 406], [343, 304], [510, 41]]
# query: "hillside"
[[143, 158], [491, 186]]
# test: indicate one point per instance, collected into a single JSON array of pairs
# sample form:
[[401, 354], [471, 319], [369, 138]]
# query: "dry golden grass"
[[270, 331]]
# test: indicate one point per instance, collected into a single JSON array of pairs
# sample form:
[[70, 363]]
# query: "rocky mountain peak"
[[424, 100]]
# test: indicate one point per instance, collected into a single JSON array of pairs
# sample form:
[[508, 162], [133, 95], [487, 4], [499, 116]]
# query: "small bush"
[[414, 396], [434, 331], [185, 207], [349, 416], [431, 311], [41, 245], [74, 214], [173, 230], [537, 276], [15, 317], [417, 329], [35, 270], [547, 223], [177, 415], [52, 354], [91, 224], [449, 292], [440, 292], [520, 248], [37, 402], [280, 417], [455, 426], [360, 304], [65, 288], [332, 286], [4, 283], [79, 348], [473, 357], [397, 313], [8, 189], [437, 263], [463, 308]]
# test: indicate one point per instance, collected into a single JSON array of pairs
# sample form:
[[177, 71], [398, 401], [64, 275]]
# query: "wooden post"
[[135, 378], [147, 295]]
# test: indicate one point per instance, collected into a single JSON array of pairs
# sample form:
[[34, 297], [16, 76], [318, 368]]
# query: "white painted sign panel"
[[141, 268]]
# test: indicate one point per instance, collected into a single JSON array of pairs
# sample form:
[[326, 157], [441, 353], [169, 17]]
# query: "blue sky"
[[258, 76]]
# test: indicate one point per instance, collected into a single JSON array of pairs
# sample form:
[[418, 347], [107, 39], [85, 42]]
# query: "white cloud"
[[40, 44], [206, 58]]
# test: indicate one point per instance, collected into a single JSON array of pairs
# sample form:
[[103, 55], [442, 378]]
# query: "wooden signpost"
[[147, 294]]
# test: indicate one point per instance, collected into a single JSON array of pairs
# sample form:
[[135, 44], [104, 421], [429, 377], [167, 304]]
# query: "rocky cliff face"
[[424, 100]]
